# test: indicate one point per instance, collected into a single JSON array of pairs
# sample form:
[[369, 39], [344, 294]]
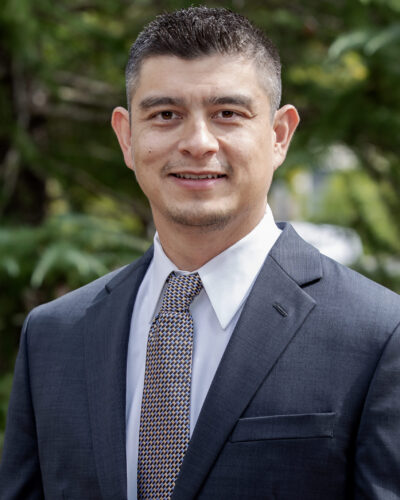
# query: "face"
[[202, 143]]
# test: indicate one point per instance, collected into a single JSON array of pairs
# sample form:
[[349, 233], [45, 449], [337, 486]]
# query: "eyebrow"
[[234, 99], [153, 101]]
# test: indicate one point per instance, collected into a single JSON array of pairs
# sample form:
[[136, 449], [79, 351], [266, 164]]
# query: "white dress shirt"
[[227, 280]]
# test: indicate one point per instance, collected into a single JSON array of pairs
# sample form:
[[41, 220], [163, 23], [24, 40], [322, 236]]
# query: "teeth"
[[190, 176]]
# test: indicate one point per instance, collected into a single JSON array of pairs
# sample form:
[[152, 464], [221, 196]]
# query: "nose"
[[198, 140]]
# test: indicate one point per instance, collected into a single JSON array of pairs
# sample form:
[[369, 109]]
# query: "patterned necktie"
[[165, 415]]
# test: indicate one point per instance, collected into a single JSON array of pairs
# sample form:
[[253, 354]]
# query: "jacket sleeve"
[[377, 465], [20, 469]]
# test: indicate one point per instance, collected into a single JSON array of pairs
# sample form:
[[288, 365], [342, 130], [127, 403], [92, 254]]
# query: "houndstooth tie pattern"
[[165, 415]]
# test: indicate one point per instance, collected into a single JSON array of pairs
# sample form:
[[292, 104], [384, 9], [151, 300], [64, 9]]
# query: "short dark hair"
[[201, 31]]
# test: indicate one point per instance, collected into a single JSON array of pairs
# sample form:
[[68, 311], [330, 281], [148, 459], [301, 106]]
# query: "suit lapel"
[[106, 342], [275, 310]]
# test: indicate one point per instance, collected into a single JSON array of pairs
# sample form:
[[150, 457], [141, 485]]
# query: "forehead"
[[200, 77]]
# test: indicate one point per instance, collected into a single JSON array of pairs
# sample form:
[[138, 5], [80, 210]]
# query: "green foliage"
[[350, 198], [345, 81], [5, 389], [40, 263], [76, 247]]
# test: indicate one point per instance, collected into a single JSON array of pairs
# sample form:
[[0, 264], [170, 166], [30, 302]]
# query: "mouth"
[[198, 181], [199, 177]]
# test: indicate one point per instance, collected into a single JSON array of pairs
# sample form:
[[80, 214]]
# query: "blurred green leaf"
[[385, 37], [61, 256], [349, 41]]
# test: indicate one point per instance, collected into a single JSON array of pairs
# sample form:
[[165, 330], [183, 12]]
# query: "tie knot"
[[180, 291]]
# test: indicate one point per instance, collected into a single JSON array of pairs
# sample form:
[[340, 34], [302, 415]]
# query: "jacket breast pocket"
[[297, 426]]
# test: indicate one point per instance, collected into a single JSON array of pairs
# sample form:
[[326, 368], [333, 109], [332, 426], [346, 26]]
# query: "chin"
[[209, 221]]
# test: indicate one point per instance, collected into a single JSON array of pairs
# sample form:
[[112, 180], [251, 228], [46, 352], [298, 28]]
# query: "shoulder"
[[361, 313], [73, 303], [345, 301], [350, 288]]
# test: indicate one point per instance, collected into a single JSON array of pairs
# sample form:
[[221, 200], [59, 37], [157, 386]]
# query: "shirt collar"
[[227, 278]]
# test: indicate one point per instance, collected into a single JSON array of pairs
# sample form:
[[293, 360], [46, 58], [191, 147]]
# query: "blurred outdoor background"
[[69, 208]]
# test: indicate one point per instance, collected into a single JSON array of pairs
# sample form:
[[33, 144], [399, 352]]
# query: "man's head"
[[203, 135], [200, 31]]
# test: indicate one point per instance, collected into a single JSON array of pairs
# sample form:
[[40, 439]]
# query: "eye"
[[167, 115], [227, 114], [162, 117]]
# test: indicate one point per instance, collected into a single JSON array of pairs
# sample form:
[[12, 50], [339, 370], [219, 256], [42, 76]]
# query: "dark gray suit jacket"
[[305, 403]]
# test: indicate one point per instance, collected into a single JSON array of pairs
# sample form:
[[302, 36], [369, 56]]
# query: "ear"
[[120, 124], [285, 123]]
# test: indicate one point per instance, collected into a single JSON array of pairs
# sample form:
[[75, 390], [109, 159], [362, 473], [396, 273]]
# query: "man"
[[280, 365]]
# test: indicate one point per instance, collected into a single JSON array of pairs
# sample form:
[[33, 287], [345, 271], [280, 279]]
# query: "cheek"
[[253, 156], [149, 148], [237, 148]]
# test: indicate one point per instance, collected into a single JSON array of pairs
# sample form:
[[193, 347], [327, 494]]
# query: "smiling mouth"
[[199, 177]]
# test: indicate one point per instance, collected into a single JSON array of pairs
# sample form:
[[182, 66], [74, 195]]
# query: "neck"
[[190, 247]]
